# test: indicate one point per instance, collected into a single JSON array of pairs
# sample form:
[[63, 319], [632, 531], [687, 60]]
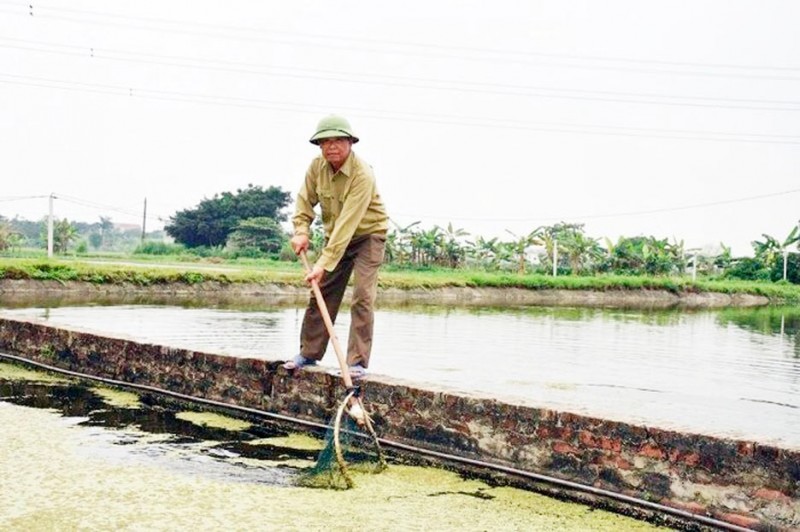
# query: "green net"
[[351, 447]]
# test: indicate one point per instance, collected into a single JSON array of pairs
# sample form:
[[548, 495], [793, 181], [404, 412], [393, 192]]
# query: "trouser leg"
[[368, 257], [313, 334]]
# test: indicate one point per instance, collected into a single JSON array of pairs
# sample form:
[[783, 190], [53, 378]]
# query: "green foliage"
[[193, 278], [96, 240], [792, 269], [214, 219], [158, 248], [641, 255], [260, 233], [64, 233], [749, 269], [6, 235]]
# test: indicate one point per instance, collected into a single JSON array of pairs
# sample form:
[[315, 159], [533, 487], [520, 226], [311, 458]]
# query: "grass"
[[152, 270]]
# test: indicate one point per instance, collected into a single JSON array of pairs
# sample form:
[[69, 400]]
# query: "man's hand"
[[315, 274], [299, 243]]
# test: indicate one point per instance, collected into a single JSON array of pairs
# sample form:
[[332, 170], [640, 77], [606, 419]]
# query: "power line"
[[16, 198], [401, 81], [90, 204], [425, 50], [591, 129], [609, 215]]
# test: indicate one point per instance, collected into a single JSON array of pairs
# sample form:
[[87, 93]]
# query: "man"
[[355, 223]]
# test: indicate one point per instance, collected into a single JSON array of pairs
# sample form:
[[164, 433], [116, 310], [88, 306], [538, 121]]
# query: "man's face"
[[335, 150]]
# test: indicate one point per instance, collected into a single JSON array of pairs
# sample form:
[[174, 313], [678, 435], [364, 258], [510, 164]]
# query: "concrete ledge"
[[740, 482]]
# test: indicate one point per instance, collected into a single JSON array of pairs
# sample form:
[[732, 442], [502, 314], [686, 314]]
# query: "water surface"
[[731, 373]]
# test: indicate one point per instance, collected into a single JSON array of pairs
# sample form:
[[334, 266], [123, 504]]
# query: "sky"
[[673, 119]]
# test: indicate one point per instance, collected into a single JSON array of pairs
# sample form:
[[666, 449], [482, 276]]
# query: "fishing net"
[[351, 447]]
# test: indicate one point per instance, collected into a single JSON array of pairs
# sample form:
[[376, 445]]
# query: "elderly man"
[[355, 223]]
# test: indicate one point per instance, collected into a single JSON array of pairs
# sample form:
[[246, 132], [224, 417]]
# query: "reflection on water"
[[781, 321], [733, 373]]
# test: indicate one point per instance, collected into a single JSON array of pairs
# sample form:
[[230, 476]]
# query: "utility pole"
[[555, 257], [50, 227], [144, 220]]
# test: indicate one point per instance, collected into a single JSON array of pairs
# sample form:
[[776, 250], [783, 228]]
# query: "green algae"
[[102, 492], [300, 442], [14, 372], [213, 420], [118, 398], [81, 480]]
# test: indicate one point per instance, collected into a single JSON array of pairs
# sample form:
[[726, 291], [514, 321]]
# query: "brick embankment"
[[741, 482]]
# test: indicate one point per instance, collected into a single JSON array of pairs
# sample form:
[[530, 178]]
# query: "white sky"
[[676, 119]]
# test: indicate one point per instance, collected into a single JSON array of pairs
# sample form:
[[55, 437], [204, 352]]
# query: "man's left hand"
[[316, 274]]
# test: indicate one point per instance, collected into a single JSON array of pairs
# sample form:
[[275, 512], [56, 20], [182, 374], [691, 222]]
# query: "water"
[[730, 373], [78, 458]]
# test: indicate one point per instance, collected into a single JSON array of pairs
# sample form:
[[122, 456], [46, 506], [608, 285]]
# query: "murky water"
[[74, 457], [733, 373]]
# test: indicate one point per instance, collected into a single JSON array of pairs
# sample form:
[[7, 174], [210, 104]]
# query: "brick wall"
[[741, 482]]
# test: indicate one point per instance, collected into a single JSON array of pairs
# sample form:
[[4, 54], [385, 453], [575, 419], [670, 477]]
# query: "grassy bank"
[[165, 271]]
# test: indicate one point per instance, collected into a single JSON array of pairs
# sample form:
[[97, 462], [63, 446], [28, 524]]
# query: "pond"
[[85, 457], [730, 373]]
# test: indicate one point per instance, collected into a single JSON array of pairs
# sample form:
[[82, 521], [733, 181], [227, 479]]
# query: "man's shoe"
[[298, 362], [357, 371]]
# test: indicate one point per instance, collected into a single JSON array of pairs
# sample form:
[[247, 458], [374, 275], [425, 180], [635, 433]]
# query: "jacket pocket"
[[327, 202]]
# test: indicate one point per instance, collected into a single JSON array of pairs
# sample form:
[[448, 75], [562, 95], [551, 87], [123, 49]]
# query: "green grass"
[[155, 270]]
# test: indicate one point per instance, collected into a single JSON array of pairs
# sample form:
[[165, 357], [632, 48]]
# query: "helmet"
[[333, 126]]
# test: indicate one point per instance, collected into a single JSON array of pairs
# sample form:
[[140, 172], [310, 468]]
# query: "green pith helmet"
[[333, 126]]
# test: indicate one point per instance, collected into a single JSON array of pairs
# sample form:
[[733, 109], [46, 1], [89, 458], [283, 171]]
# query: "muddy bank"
[[20, 291]]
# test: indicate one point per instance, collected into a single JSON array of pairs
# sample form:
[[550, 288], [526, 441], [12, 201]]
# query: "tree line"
[[248, 223]]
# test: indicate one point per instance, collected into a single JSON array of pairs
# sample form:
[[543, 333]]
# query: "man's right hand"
[[299, 243]]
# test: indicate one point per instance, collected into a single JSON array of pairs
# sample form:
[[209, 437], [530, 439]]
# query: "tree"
[[262, 233], [774, 254], [214, 219], [7, 235], [520, 245], [641, 255], [486, 252], [64, 233], [768, 251], [556, 236], [452, 251], [106, 228], [581, 250], [398, 244]]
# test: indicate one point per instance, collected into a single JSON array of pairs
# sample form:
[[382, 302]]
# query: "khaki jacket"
[[350, 204]]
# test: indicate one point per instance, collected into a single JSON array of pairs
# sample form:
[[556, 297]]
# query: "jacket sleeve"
[[306, 201]]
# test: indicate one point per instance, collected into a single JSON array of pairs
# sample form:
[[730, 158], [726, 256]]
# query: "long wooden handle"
[[326, 317]]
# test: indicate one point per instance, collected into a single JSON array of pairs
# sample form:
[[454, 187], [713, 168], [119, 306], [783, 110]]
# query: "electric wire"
[[615, 214], [676, 208], [591, 129], [392, 81], [570, 486], [16, 198], [97, 207], [104, 207], [425, 50]]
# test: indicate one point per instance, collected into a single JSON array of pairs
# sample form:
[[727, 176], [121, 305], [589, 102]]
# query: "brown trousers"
[[364, 256]]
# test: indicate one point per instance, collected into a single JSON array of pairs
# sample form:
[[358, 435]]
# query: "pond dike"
[[741, 483]]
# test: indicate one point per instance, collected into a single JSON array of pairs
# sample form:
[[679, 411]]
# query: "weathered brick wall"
[[742, 482]]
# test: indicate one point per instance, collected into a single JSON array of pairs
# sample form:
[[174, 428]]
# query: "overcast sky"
[[673, 119]]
